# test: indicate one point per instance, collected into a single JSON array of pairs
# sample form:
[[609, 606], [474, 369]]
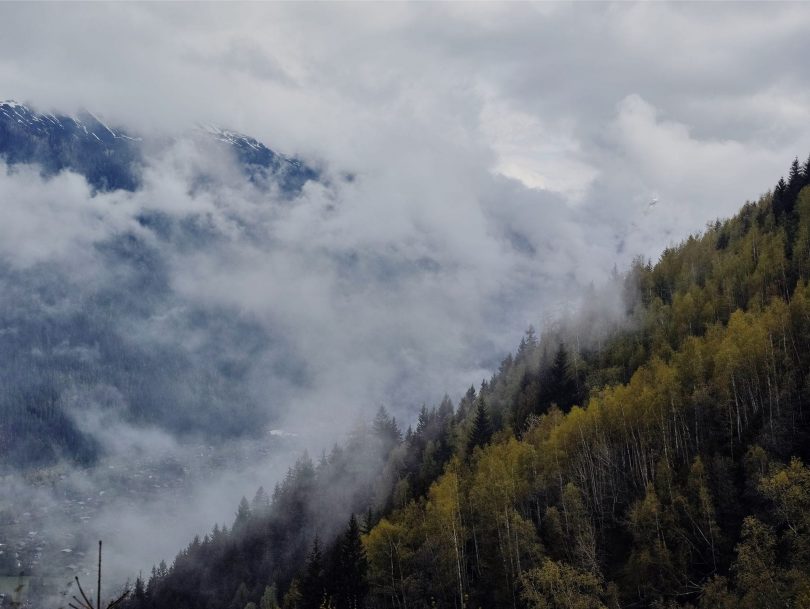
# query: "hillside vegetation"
[[663, 465]]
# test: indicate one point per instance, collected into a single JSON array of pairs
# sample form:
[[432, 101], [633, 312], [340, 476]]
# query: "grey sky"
[[506, 156]]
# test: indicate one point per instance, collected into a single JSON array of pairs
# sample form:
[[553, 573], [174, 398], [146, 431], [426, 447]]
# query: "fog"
[[203, 330], [482, 168]]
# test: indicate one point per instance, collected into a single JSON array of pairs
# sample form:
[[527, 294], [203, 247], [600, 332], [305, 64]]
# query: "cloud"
[[53, 219], [505, 158]]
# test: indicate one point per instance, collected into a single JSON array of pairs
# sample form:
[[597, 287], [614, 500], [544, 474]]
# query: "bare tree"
[[86, 603]]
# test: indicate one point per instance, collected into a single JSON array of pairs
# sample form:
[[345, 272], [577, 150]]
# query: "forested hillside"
[[68, 342], [662, 465]]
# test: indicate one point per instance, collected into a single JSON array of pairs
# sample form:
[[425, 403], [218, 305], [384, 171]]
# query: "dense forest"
[[662, 465]]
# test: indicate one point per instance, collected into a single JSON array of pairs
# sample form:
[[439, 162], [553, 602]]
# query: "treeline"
[[663, 467]]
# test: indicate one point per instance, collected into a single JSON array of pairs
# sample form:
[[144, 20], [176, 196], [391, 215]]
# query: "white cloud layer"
[[505, 154]]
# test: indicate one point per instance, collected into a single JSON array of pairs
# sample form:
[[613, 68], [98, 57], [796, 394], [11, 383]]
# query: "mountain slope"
[[110, 159], [680, 482], [69, 343]]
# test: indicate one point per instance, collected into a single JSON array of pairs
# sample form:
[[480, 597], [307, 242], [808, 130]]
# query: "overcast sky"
[[506, 156], [520, 144]]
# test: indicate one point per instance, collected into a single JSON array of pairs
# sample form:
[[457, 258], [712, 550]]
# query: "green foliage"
[[636, 492], [349, 578], [481, 431], [313, 581], [556, 585], [661, 466], [269, 598], [293, 597]]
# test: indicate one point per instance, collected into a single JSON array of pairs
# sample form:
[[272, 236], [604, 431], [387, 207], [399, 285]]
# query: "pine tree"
[[465, 404], [242, 514], [386, 430], [351, 570], [527, 344], [795, 182], [139, 594], [269, 599], [445, 410], [292, 598], [240, 598], [368, 522], [481, 431], [152, 583], [806, 172], [313, 582], [261, 502], [422, 422], [779, 204], [559, 387]]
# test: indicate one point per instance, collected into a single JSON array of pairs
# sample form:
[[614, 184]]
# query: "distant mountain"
[[65, 345], [111, 159], [108, 158], [262, 164]]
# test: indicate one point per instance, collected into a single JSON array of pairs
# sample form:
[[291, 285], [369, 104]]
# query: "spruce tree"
[[139, 595], [386, 429], [313, 583], [242, 514], [779, 204], [806, 172], [368, 522], [481, 431], [351, 570], [240, 598], [795, 182], [558, 386], [269, 598]]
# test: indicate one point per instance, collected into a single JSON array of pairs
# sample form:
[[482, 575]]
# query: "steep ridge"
[[64, 340], [108, 158], [680, 481], [111, 159]]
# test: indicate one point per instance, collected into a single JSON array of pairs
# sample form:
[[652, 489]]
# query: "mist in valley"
[[176, 331]]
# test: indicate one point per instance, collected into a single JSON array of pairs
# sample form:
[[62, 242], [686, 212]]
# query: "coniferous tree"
[[293, 597], [795, 182], [780, 194], [445, 410], [242, 515], [269, 599], [559, 386], [481, 431], [527, 401], [386, 430], [351, 569], [527, 344], [806, 172], [368, 521], [240, 598], [260, 503], [139, 594], [313, 582], [465, 404], [422, 422]]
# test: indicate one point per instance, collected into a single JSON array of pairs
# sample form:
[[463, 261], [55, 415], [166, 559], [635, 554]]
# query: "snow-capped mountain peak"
[[110, 158]]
